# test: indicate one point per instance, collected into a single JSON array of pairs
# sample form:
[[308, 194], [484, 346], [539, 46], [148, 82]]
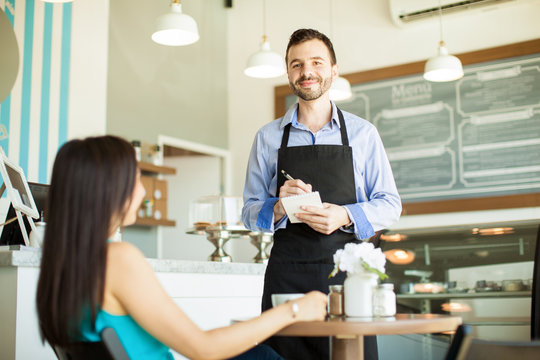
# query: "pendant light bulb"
[[443, 67], [340, 89], [265, 63], [175, 28]]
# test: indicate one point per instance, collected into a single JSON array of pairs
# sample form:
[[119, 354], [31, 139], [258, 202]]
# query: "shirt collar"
[[291, 116]]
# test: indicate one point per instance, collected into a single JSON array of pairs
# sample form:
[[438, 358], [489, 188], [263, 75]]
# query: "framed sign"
[[17, 187], [471, 144]]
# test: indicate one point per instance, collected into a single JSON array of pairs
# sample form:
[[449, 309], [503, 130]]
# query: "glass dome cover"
[[216, 211]]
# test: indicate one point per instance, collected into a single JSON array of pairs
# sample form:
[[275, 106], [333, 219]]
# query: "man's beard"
[[307, 95]]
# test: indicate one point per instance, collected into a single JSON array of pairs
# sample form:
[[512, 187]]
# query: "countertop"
[[31, 257]]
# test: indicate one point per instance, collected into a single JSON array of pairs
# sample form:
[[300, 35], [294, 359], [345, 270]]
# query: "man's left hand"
[[326, 219]]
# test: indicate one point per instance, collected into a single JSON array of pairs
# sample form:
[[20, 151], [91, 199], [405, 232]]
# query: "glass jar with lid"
[[335, 301], [384, 300]]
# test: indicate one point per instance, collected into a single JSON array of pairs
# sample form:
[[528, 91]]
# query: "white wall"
[[88, 78], [175, 90], [364, 38]]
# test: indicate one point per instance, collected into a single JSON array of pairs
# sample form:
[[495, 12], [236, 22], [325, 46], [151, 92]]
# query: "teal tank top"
[[138, 343]]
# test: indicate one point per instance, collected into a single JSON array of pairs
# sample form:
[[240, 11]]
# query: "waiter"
[[321, 149]]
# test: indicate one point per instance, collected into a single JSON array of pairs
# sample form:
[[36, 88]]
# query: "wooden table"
[[348, 333]]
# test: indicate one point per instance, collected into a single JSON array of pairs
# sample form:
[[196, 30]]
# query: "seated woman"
[[88, 283]]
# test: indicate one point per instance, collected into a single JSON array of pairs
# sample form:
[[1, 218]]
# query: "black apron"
[[302, 258]]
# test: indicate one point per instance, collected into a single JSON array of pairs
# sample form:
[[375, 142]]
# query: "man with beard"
[[326, 150]]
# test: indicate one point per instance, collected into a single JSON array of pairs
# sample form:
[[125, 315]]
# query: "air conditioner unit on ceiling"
[[409, 11]]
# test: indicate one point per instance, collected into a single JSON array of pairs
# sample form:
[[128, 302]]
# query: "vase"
[[358, 290]]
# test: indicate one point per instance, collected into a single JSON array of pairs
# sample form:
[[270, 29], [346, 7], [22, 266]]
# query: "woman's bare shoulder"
[[124, 254]]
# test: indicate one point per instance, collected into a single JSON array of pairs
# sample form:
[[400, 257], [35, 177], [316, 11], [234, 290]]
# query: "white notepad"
[[292, 204]]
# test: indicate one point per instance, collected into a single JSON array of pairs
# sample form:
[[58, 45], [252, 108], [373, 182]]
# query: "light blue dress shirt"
[[378, 203]]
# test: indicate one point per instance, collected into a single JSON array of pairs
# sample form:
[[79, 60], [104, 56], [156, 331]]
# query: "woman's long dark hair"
[[91, 186]]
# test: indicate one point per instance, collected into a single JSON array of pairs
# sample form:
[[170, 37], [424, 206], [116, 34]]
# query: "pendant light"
[[175, 28], [265, 63], [57, 1], [443, 67], [341, 88]]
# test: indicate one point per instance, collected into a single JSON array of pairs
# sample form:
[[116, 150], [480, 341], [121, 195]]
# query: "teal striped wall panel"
[[35, 114]]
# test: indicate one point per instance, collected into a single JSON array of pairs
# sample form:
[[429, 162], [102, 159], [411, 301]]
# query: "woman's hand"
[[311, 307]]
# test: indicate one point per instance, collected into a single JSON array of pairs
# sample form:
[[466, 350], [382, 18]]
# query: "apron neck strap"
[[285, 137], [342, 128]]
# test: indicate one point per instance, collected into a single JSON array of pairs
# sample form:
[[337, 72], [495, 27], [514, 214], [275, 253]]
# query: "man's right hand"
[[289, 188]]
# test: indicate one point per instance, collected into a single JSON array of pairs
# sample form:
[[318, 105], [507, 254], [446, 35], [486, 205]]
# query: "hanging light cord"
[[264, 20], [331, 20], [440, 23]]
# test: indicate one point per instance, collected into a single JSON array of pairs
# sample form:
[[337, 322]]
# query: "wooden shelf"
[[149, 167], [474, 295], [154, 222], [152, 184]]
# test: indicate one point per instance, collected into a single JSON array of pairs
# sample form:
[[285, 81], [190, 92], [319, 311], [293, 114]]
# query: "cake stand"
[[261, 241], [219, 235]]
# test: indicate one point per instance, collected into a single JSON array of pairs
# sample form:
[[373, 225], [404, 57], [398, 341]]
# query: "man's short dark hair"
[[303, 35]]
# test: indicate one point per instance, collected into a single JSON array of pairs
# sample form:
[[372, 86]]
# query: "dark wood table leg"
[[347, 348]]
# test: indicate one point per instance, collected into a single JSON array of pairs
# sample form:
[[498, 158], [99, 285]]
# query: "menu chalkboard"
[[477, 137]]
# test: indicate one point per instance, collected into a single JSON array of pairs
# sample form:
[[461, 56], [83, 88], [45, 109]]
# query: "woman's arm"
[[132, 288]]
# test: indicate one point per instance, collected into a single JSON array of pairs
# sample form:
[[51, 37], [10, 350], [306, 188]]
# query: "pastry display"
[[216, 211]]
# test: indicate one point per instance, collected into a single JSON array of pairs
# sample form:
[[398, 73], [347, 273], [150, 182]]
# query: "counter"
[[471, 265], [31, 257], [210, 293]]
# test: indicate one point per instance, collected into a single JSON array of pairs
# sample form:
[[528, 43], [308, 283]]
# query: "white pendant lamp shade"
[[57, 1], [340, 89], [443, 67], [175, 28], [265, 63]]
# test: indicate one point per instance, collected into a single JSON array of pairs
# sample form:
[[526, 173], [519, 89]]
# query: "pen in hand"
[[287, 176]]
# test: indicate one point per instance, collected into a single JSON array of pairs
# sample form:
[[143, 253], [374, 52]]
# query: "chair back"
[[502, 350], [535, 303], [83, 351], [113, 344], [465, 347], [460, 341], [109, 348]]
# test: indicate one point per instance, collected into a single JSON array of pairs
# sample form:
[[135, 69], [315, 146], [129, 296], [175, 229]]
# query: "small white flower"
[[356, 258]]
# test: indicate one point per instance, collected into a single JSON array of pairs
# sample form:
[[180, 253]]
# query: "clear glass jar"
[[156, 155], [384, 300], [137, 146], [335, 300]]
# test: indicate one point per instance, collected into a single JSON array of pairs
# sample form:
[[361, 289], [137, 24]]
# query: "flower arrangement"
[[357, 258]]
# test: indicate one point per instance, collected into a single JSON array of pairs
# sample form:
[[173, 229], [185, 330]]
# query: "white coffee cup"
[[278, 299]]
